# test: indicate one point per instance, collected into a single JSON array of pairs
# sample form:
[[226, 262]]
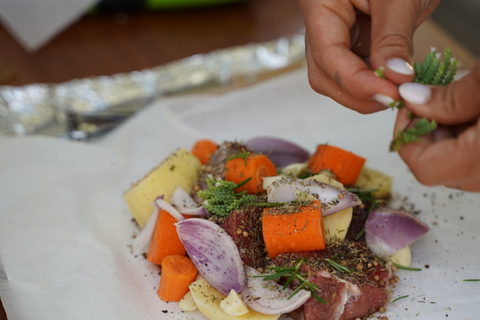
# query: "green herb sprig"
[[220, 198], [431, 72], [293, 273]]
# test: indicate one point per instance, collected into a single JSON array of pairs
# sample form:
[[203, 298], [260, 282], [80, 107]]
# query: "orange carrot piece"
[[344, 164], [257, 167], [177, 273], [204, 149], [297, 231], [165, 241]]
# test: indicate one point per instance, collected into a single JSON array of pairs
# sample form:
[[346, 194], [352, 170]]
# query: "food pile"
[[261, 228]]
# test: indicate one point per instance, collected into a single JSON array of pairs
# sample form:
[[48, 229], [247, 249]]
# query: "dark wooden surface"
[[126, 41]]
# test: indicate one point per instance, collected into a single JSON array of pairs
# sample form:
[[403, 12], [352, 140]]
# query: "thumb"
[[457, 103], [393, 25]]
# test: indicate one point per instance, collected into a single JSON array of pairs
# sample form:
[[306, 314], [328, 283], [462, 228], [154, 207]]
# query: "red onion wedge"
[[388, 230], [214, 254], [268, 297], [281, 152], [142, 240], [185, 204], [333, 199]]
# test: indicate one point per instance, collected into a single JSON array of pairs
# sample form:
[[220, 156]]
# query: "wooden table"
[[126, 41]]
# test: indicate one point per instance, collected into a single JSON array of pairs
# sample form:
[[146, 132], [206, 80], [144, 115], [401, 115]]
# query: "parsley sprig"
[[293, 273], [431, 72]]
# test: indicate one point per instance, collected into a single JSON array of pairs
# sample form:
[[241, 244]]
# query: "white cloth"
[[65, 228]]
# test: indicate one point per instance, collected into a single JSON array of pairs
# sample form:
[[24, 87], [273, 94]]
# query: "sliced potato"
[[179, 169], [336, 225], [187, 303], [294, 169], [372, 179], [402, 257], [233, 304], [208, 301]]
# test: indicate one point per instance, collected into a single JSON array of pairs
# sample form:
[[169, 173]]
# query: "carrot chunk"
[[204, 149], [177, 273], [344, 164], [297, 230], [255, 167], [165, 241]]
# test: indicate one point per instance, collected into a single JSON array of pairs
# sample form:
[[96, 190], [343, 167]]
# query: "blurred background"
[[117, 36]]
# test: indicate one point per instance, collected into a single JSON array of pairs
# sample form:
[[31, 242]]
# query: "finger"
[[328, 26], [393, 25], [322, 84], [456, 103], [452, 162]]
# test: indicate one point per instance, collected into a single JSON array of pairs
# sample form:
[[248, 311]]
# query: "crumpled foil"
[[85, 108]]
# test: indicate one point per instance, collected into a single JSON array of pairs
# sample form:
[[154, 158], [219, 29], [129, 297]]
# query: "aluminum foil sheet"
[[85, 108]]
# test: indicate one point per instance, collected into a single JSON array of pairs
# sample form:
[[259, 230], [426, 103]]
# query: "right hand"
[[340, 33]]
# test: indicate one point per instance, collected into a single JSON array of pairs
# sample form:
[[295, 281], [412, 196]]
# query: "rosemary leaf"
[[338, 266], [399, 266], [402, 297], [471, 280]]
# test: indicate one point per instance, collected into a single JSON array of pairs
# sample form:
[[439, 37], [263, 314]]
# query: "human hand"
[[341, 33], [450, 155]]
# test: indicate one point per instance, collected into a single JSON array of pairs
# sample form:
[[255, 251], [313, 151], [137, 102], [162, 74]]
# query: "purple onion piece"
[[268, 297], [333, 199], [281, 152], [214, 254], [185, 204], [389, 230]]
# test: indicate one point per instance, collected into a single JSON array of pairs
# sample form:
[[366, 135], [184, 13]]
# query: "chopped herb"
[[402, 297], [220, 198], [293, 273], [244, 154], [399, 266], [430, 72], [338, 266]]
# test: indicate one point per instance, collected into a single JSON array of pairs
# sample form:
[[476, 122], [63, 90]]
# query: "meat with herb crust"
[[245, 228], [362, 288]]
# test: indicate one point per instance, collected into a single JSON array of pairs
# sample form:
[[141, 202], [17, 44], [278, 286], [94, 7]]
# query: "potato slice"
[[187, 303], [179, 169], [372, 179], [402, 257], [233, 304], [208, 301]]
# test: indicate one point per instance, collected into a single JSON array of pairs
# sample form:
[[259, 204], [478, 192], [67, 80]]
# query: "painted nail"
[[383, 99], [415, 93], [400, 66]]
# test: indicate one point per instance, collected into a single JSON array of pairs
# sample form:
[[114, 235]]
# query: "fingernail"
[[400, 66], [415, 93], [383, 99]]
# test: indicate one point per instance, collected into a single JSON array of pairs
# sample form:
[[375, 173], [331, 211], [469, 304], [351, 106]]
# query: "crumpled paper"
[[65, 229]]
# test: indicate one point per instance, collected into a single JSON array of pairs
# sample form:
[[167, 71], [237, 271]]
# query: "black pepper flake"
[[427, 266], [165, 311]]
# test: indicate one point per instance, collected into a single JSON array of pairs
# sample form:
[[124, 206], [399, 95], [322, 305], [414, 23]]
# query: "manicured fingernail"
[[383, 99], [400, 66], [415, 93]]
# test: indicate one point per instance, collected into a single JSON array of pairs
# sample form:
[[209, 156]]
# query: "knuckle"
[[395, 40]]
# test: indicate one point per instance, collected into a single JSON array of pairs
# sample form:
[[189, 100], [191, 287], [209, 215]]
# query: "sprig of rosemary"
[[431, 72], [244, 154], [338, 266], [293, 273]]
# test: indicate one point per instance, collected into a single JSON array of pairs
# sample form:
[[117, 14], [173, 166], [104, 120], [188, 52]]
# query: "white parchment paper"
[[65, 229]]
